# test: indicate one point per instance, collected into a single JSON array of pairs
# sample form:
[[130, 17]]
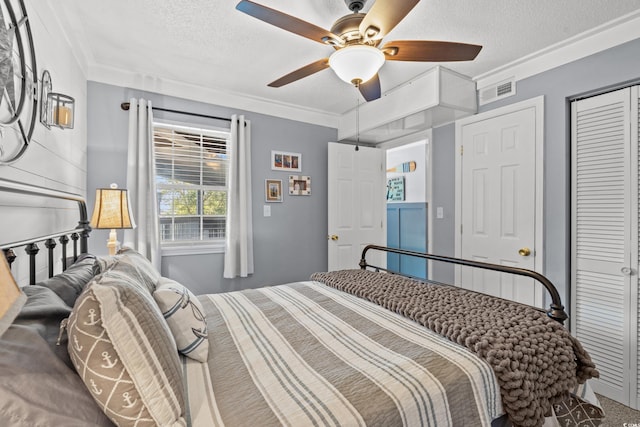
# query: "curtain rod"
[[125, 106]]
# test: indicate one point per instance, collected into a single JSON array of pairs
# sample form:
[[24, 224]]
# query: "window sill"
[[193, 249]]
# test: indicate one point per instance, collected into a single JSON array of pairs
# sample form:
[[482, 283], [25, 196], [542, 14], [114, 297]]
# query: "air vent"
[[497, 91], [505, 88]]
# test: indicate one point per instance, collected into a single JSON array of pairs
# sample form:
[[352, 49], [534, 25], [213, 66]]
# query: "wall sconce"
[[56, 109], [111, 211]]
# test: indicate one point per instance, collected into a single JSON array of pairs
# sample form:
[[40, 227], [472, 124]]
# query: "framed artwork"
[[299, 185], [282, 161], [273, 190], [395, 189]]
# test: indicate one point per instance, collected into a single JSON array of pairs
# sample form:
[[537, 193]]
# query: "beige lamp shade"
[[112, 209], [11, 297]]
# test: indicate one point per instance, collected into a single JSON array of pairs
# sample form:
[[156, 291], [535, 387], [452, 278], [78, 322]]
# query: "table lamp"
[[111, 211]]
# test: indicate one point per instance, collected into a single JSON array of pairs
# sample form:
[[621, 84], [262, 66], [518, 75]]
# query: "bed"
[[109, 341]]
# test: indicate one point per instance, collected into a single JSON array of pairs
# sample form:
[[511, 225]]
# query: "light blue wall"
[[288, 246], [612, 68]]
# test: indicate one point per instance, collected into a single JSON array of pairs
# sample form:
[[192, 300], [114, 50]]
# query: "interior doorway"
[[408, 181]]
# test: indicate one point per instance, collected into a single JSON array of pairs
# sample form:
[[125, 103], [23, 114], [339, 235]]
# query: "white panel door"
[[356, 193], [604, 311], [498, 202]]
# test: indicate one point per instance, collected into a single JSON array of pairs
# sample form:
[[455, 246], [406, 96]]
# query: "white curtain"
[[141, 182], [238, 259]]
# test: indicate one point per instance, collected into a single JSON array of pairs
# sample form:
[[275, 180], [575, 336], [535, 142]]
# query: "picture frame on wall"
[[284, 161], [273, 190], [299, 185], [395, 189]]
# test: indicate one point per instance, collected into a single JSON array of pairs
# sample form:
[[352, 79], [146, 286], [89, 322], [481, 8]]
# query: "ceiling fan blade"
[[370, 89], [300, 73], [429, 51], [383, 16], [286, 22]]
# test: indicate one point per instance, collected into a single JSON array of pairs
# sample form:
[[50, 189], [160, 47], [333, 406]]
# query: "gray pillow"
[[43, 312], [139, 266], [36, 387], [69, 284]]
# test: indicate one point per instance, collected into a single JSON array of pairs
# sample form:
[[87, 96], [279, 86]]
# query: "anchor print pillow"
[[185, 316], [122, 349]]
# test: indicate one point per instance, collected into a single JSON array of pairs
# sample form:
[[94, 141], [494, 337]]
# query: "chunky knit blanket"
[[535, 359]]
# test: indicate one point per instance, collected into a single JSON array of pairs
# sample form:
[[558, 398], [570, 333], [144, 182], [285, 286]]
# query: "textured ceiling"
[[209, 43]]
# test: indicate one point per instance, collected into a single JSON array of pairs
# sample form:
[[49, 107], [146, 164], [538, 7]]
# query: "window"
[[191, 179]]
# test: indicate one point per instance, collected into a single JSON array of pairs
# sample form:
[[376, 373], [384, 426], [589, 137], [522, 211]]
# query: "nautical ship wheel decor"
[[18, 81]]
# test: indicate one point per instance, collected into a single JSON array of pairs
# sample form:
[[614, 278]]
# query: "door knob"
[[332, 237], [626, 271], [524, 252]]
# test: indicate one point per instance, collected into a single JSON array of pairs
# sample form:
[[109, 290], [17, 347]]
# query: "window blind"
[[191, 178]]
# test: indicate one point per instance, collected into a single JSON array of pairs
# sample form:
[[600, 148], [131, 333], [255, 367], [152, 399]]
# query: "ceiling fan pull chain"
[[357, 121]]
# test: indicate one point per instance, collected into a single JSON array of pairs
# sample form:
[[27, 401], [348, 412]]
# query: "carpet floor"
[[618, 415]]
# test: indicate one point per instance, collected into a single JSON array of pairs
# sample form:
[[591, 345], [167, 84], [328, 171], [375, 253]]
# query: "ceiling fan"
[[356, 37]]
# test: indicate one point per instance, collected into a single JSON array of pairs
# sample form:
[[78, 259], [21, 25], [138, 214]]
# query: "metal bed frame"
[[80, 233], [556, 309]]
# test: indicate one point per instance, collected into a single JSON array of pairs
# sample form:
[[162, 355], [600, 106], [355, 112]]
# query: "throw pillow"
[[185, 316], [134, 263], [123, 350]]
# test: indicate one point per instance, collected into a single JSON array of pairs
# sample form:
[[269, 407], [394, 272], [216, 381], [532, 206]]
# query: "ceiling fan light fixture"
[[357, 63]]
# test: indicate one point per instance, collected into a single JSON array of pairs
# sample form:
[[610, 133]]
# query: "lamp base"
[[113, 243]]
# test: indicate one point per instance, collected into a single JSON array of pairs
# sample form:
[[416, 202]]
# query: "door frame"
[[538, 104], [635, 255]]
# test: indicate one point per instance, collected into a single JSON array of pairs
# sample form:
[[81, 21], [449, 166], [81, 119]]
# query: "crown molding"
[[123, 78], [608, 35]]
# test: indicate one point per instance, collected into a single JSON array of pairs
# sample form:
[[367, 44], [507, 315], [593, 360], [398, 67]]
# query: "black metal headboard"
[[80, 233], [556, 309]]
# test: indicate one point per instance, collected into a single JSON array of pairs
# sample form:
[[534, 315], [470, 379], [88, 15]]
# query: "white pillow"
[[185, 316]]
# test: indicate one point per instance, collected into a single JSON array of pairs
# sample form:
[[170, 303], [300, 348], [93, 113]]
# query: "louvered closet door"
[[604, 303]]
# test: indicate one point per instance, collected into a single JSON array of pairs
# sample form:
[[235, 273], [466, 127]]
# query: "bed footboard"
[[556, 309]]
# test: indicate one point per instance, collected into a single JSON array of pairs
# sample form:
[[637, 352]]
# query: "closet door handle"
[[626, 271]]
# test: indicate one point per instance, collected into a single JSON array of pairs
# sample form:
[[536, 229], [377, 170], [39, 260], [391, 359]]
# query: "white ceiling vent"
[[497, 91]]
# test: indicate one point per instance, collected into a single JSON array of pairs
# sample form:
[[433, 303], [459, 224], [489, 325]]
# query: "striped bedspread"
[[307, 354]]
